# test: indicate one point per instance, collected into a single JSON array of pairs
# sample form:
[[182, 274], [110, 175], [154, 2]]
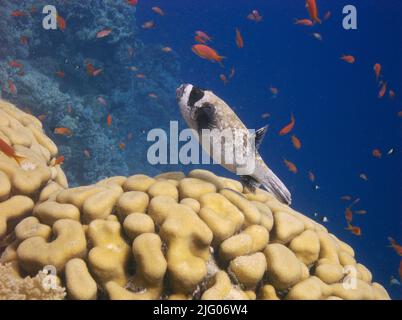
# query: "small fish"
[[132, 68], [141, 76], [383, 90], [391, 94], [24, 40], [316, 187], [391, 152], [394, 245], [348, 58], [205, 52], [152, 95], [274, 90], [90, 68], [265, 115], [348, 215], [324, 219], [87, 154], [15, 64], [109, 120], [356, 201], [17, 13], [239, 39], [158, 10], [361, 212], [203, 35], [363, 176], [132, 2], [103, 33], [304, 22], [315, 214], [377, 70], [291, 166], [377, 153], [97, 72], [254, 16], [394, 282], [296, 142], [346, 198], [122, 146], [59, 160], [199, 39], [232, 72], [148, 25], [11, 87], [9, 151], [354, 230], [60, 74], [61, 23], [102, 101], [167, 49], [311, 176], [286, 129], [223, 78], [312, 9], [327, 15], [317, 36], [63, 131]]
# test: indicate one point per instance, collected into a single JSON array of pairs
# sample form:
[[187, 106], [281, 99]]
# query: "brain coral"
[[171, 236]]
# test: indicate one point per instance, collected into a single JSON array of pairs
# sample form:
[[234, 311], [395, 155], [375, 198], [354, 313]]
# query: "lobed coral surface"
[[171, 236]]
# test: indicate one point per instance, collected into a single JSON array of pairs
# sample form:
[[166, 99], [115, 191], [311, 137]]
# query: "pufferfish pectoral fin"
[[259, 136], [204, 116]]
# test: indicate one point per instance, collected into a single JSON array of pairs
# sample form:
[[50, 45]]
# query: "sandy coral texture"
[[173, 236]]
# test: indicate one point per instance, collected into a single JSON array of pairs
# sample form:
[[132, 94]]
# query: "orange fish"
[[203, 36], [122, 145], [239, 39], [158, 10], [274, 90], [9, 151], [167, 49], [348, 58], [24, 40], [377, 153], [291, 166], [132, 2], [296, 142], [311, 176], [232, 73], [17, 13], [61, 23], [103, 33], [109, 120], [15, 64], [223, 78], [199, 39], [395, 246], [377, 70], [90, 68], [205, 52], [327, 15], [59, 160], [87, 153], [11, 87], [355, 230], [312, 10], [348, 215], [304, 22], [391, 94], [63, 131], [60, 74], [383, 89], [254, 16], [286, 129], [148, 25]]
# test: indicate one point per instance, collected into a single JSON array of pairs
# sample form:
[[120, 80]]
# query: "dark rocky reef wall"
[[75, 99]]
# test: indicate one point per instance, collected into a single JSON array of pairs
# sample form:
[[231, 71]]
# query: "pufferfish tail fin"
[[271, 183]]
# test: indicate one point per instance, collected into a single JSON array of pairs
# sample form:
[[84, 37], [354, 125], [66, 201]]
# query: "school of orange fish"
[[204, 51]]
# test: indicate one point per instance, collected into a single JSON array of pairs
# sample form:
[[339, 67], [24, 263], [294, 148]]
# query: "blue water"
[[339, 118]]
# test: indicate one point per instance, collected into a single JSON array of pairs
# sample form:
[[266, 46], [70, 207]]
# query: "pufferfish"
[[202, 109]]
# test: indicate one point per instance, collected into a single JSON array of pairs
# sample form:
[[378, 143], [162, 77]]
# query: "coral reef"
[[171, 236], [72, 100]]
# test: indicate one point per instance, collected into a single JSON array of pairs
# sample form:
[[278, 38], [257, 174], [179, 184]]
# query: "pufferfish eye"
[[196, 94]]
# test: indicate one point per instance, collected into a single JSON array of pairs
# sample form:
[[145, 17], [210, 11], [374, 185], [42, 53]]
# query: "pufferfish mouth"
[[180, 91]]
